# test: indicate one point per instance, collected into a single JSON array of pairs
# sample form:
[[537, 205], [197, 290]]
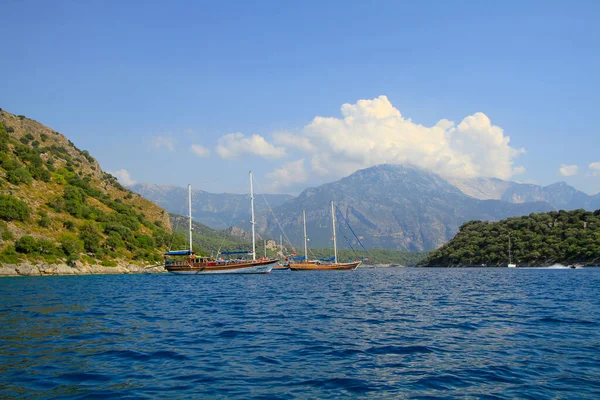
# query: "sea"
[[382, 333]]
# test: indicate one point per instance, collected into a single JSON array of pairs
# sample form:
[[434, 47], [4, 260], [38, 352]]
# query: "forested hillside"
[[566, 237], [58, 206]]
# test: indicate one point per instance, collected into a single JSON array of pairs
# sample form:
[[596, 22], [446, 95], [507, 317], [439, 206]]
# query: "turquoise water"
[[372, 333]]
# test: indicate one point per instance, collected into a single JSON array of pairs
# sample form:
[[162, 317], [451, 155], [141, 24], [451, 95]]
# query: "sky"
[[304, 93]]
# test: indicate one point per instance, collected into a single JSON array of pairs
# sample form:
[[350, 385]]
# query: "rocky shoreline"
[[45, 269]]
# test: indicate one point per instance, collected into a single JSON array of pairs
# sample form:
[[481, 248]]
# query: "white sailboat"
[[186, 262], [510, 263]]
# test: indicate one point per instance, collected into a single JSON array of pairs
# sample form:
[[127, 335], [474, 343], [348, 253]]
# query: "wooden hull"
[[324, 267], [250, 267]]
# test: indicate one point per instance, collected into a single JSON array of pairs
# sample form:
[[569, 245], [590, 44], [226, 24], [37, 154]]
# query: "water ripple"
[[374, 333]]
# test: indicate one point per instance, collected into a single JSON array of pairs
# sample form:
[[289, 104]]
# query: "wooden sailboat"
[[307, 265], [185, 262]]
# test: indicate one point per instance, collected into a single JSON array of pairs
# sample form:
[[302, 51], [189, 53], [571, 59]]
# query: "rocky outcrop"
[[43, 269]]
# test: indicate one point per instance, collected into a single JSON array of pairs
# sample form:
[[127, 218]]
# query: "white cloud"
[[373, 132], [567, 170], [235, 144], [294, 141], [123, 176], [200, 151], [163, 141], [288, 175], [595, 168]]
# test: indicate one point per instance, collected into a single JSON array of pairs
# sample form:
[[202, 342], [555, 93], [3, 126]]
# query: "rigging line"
[[352, 230], [237, 205], [177, 220], [273, 214], [349, 243]]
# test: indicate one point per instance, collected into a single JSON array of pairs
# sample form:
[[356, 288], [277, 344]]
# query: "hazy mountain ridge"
[[216, 210], [561, 195]]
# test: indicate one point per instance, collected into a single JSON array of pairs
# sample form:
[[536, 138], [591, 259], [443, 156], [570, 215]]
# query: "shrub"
[[109, 263], [69, 225], [9, 255], [13, 209], [44, 221], [21, 117], [45, 246], [72, 259], [90, 237], [35, 144], [114, 241], [58, 204], [10, 129], [44, 137], [19, 175], [74, 201], [6, 235], [26, 245], [70, 244], [24, 140], [145, 242]]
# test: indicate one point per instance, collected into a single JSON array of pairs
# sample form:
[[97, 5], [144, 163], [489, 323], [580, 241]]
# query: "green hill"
[[565, 237], [58, 206]]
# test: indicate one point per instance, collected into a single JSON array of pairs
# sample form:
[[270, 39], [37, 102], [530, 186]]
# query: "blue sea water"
[[369, 333]]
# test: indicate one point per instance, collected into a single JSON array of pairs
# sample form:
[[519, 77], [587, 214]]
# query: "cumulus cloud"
[[163, 141], [567, 170], [236, 144], [372, 132], [288, 139], [200, 151], [288, 175], [123, 176], [595, 168]]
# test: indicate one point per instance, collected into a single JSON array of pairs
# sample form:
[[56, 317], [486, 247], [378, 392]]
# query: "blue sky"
[[200, 92]]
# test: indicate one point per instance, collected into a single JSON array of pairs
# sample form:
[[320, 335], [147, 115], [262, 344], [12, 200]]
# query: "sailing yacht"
[[185, 262], [510, 263], [307, 265]]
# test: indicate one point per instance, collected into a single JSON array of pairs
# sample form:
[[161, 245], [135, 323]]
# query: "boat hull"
[[325, 267], [260, 267]]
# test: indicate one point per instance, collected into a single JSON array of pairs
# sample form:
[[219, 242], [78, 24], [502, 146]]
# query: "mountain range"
[[389, 206], [218, 211], [560, 195]]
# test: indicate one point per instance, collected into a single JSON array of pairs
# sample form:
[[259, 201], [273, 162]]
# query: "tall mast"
[[252, 209], [509, 257], [281, 244], [305, 246], [190, 213], [334, 240]]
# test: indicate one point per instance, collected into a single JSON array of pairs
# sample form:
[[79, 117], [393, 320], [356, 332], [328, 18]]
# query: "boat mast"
[[334, 240], [190, 213], [252, 210], [305, 246], [509, 256]]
